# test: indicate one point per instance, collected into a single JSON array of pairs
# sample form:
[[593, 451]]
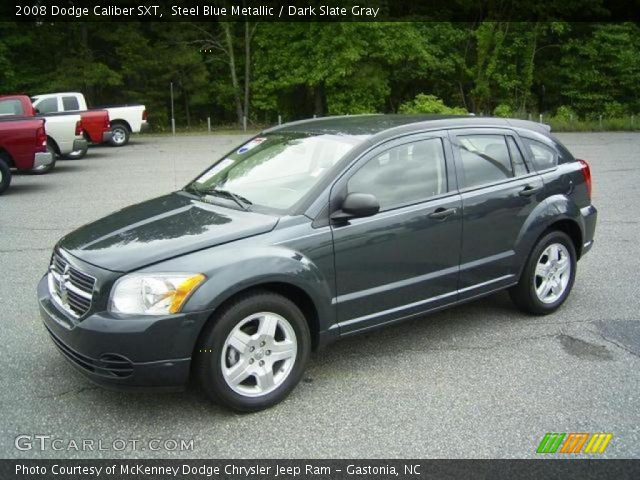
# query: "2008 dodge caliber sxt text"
[[312, 231]]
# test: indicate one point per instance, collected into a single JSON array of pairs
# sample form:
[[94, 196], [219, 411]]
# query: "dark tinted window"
[[544, 156], [70, 103], [517, 159], [48, 105], [404, 174], [485, 159]]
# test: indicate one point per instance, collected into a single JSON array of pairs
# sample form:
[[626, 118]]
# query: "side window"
[[519, 165], [70, 104], [404, 174], [543, 156], [485, 159], [48, 105]]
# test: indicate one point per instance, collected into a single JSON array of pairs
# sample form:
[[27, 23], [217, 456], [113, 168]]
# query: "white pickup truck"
[[125, 120]]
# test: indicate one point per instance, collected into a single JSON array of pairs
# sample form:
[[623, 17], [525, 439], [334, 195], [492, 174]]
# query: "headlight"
[[153, 294]]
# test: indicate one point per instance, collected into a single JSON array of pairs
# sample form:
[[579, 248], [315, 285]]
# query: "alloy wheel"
[[552, 273], [259, 354]]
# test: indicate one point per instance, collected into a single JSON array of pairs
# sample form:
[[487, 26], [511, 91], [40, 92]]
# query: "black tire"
[[524, 293], [78, 154], [5, 174], [121, 134], [42, 170], [208, 361]]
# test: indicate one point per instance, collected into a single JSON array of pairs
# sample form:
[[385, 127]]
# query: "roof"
[[374, 124]]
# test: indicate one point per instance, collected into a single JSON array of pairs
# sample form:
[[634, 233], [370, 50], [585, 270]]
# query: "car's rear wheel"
[[5, 174], [548, 276], [254, 352], [119, 134]]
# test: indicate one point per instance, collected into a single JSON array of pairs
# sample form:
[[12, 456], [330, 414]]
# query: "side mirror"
[[357, 205]]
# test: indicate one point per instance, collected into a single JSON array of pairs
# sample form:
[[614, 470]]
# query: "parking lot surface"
[[479, 380]]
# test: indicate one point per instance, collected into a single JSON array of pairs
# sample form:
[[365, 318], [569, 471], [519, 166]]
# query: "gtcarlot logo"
[[26, 442]]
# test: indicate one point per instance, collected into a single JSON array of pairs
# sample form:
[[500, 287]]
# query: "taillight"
[[79, 127], [107, 123], [41, 137], [144, 115], [586, 173]]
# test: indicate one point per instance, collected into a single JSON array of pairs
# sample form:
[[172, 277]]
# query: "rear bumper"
[[144, 126], [80, 144], [107, 136], [42, 159], [589, 218]]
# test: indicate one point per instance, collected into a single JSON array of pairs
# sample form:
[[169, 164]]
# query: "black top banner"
[[319, 469], [319, 10]]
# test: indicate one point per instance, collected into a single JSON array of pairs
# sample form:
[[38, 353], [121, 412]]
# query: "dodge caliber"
[[309, 232]]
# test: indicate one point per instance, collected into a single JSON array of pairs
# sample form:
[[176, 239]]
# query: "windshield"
[[275, 170]]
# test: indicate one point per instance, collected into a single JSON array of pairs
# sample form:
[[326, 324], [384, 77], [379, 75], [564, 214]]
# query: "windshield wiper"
[[239, 199]]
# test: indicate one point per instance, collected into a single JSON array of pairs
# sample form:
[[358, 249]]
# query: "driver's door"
[[403, 260]]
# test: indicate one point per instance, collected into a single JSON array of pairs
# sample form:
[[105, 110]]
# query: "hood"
[[159, 229]]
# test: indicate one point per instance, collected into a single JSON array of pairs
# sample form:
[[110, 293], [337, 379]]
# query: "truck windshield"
[[274, 170]]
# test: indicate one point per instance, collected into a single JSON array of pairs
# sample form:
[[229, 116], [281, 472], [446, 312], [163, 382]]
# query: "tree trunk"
[[232, 67], [318, 97], [247, 67]]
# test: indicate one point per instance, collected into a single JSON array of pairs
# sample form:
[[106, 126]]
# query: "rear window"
[[10, 107], [543, 156], [48, 105], [70, 103]]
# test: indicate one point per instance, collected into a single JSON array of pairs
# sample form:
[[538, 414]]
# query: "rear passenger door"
[[499, 191]]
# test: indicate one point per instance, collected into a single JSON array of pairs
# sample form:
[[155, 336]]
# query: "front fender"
[[231, 269]]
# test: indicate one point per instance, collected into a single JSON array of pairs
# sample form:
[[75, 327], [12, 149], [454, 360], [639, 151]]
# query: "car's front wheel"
[[254, 352], [548, 277]]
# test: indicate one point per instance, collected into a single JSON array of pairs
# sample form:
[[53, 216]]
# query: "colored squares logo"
[[574, 443]]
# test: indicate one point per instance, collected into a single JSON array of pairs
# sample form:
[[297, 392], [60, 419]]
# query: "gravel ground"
[[480, 380]]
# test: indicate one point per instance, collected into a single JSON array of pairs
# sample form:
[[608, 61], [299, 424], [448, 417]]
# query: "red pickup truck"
[[23, 146], [95, 126]]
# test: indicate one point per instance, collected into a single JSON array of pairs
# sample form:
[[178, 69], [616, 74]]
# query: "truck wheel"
[[77, 154], [5, 174], [548, 276], [47, 168], [254, 352], [120, 134]]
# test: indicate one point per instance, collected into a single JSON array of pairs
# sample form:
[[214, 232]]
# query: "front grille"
[[70, 288]]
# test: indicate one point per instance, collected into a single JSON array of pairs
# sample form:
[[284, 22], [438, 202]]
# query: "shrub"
[[503, 110], [424, 103], [565, 114]]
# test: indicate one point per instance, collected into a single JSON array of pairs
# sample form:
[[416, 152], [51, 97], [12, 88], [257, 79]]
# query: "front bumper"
[[589, 219], [42, 159], [80, 144], [107, 136], [142, 352]]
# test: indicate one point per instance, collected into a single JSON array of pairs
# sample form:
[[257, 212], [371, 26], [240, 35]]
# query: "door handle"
[[442, 213], [529, 190]]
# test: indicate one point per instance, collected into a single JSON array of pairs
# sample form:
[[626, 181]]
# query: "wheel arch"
[[5, 155], [296, 294], [54, 144], [121, 121]]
